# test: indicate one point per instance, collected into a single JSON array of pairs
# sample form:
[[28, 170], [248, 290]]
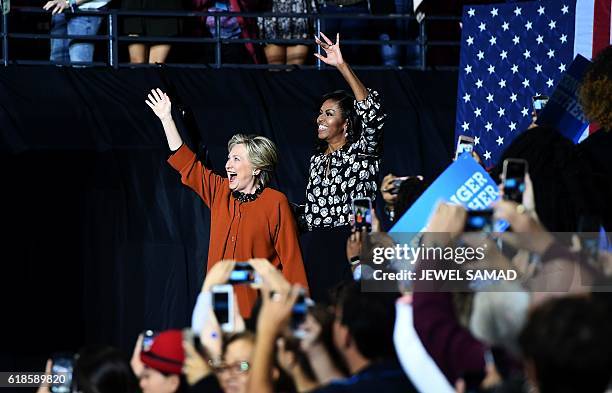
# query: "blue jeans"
[[348, 28], [70, 50], [394, 55]]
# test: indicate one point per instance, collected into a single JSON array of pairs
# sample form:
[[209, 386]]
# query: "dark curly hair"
[[345, 101], [596, 90]]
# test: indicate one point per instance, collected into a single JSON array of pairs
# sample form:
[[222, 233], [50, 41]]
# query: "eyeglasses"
[[238, 367]]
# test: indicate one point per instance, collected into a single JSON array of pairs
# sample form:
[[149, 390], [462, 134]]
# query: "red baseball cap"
[[166, 353]]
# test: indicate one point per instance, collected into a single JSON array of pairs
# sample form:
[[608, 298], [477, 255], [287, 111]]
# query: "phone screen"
[[538, 103], [362, 210], [479, 221], [147, 339], [514, 179], [243, 273], [221, 306], [62, 367], [298, 315], [465, 144]]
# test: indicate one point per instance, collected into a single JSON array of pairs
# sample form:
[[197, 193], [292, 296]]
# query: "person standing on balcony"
[[273, 28], [64, 22], [137, 26]]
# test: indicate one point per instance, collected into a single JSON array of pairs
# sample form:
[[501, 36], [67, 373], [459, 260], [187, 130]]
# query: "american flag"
[[509, 53]]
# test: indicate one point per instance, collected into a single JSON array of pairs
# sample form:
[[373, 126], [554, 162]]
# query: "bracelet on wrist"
[[354, 261]]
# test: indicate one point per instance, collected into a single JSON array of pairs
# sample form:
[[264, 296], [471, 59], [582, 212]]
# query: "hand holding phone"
[[298, 314], [243, 273], [362, 213], [513, 176], [62, 367], [539, 102], [465, 144], [223, 306]]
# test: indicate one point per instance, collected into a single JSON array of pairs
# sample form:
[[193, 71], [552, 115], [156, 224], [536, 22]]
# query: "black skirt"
[[324, 254], [150, 26]]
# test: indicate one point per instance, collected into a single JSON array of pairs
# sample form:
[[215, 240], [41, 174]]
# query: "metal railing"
[[113, 38]]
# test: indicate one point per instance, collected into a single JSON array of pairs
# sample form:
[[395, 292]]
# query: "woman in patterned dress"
[[288, 29], [344, 167]]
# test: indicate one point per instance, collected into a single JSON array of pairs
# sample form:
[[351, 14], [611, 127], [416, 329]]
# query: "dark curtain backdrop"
[[100, 239]]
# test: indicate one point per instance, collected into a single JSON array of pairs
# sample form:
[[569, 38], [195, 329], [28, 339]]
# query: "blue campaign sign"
[[563, 110], [464, 182]]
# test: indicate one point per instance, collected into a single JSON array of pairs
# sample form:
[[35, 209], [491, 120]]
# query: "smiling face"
[[332, 127], [240, 171], [233, 379]]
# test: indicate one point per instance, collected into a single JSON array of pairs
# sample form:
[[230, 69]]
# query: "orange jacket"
[[263, 228]]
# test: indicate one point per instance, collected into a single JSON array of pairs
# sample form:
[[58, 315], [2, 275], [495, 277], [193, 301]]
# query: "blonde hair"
[[261, 152]]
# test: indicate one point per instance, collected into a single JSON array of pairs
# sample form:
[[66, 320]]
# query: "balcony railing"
[[113, 38]]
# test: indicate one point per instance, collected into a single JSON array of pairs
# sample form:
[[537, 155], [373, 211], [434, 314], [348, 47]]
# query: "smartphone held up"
[[513, 177]]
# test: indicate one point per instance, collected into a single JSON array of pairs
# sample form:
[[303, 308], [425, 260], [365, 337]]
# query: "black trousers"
[[324, 254]]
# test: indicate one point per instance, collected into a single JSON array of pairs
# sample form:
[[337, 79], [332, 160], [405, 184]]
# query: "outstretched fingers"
[[327, 40]]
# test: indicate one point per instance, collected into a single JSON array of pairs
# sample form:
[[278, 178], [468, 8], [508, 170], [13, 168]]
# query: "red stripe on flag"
[[601, 25]]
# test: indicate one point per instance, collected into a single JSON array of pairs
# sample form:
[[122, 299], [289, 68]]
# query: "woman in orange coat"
[[248, 219]]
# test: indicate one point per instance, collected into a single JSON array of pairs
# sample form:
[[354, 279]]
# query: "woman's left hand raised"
[[333, 55]]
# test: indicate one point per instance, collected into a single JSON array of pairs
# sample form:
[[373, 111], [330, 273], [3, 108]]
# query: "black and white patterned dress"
[[353, 171], [288, 28]]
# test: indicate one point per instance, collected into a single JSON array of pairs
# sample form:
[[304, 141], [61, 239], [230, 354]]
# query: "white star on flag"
[[527, 45], [465, 126], [476, 140], [487, 155]]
